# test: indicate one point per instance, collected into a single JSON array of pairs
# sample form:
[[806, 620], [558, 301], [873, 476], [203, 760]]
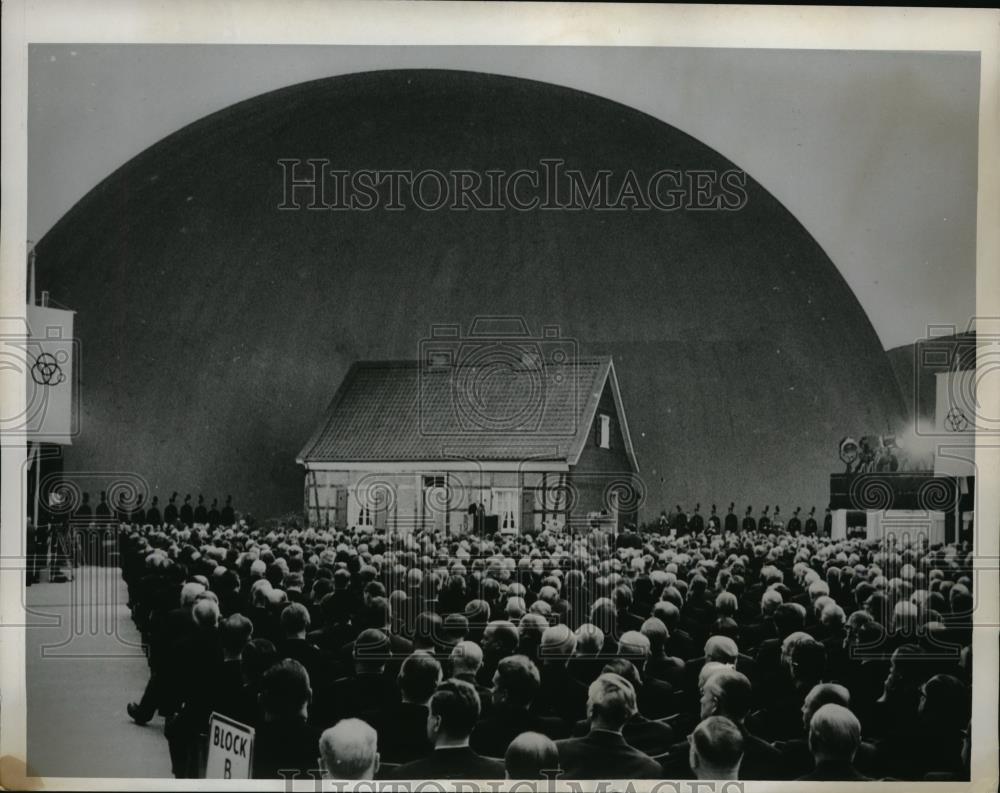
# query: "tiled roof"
[[405, 411]]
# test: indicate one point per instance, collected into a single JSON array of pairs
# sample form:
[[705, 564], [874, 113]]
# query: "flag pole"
[[31, 273], [36, 460]]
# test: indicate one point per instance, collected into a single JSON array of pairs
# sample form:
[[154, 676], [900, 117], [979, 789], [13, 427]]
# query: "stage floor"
[[83, 664]]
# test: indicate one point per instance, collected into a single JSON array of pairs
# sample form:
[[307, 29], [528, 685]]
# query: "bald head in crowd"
[[531, 755], [610, 702], [558, 644], [716, 749], [726, 693], [466, 658], [205, 613], [722, 649], [348, 750], [834, 736]]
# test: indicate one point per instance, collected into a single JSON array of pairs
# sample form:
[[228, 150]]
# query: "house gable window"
[[603, 431]]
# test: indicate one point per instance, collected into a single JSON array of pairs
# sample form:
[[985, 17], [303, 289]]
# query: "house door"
[[436, 503]]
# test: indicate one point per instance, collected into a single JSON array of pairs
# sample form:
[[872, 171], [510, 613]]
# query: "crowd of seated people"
[[733, 655]]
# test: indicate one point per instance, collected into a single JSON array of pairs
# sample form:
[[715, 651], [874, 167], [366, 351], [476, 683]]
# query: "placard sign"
[[230, 749]]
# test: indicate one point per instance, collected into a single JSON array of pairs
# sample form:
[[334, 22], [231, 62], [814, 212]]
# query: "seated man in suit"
[[453, 713], [728, 693], [500, 639], [587, 661], [229, 697], [348, 750], [660, 665], [834, 737], [402, 729], [466, 660], [515, 686], [781, 718], [716, 749], [285, 741], [655, 697], [649, 737], [722, 649], [796, 759], [679, 643], [531, 755], [562, 694], [603, 753], [368, 691], [294, 623]]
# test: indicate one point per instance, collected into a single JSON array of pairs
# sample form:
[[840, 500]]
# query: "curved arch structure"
[[214, 328]]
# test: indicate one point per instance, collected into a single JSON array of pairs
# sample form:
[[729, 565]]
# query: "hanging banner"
[[48, 359], [956, 414]]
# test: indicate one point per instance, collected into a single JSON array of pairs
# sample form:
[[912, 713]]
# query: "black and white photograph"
[[564, 398]]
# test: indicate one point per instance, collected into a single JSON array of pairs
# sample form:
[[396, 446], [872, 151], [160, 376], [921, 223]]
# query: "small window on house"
[[604, 431]]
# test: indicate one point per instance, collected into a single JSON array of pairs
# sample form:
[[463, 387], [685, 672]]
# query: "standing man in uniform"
[[749, 524], [696, 525], [714, 523], [228, 515], [764, 524], [810, 527], [213, 514], [153, 516], [170, 513], [828, 523], [795, 525], [187, 514], [731, 524], [200, 513], [680, 521]]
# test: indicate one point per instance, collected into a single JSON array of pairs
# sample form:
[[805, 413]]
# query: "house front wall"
[[423, 497]]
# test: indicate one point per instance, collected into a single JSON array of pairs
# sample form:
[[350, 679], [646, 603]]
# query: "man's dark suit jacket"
[[229, 696], [655, 698], [291, 745], [330, 638], [493, 735], [306, 654], [796, 759], [399, 647], [362, 696], [680, 644], [402, 733], [460, 763], [830, 772], [602, 754], [649, 737], [561, 694], [627, 621], [485, 692]]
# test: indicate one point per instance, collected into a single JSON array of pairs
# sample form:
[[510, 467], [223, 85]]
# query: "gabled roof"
[[400, 411]]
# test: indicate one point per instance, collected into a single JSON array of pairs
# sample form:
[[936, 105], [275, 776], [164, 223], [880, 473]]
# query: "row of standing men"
[[678, 520]]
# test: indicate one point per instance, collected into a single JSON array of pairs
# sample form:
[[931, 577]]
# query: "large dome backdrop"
[[214, 328]]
